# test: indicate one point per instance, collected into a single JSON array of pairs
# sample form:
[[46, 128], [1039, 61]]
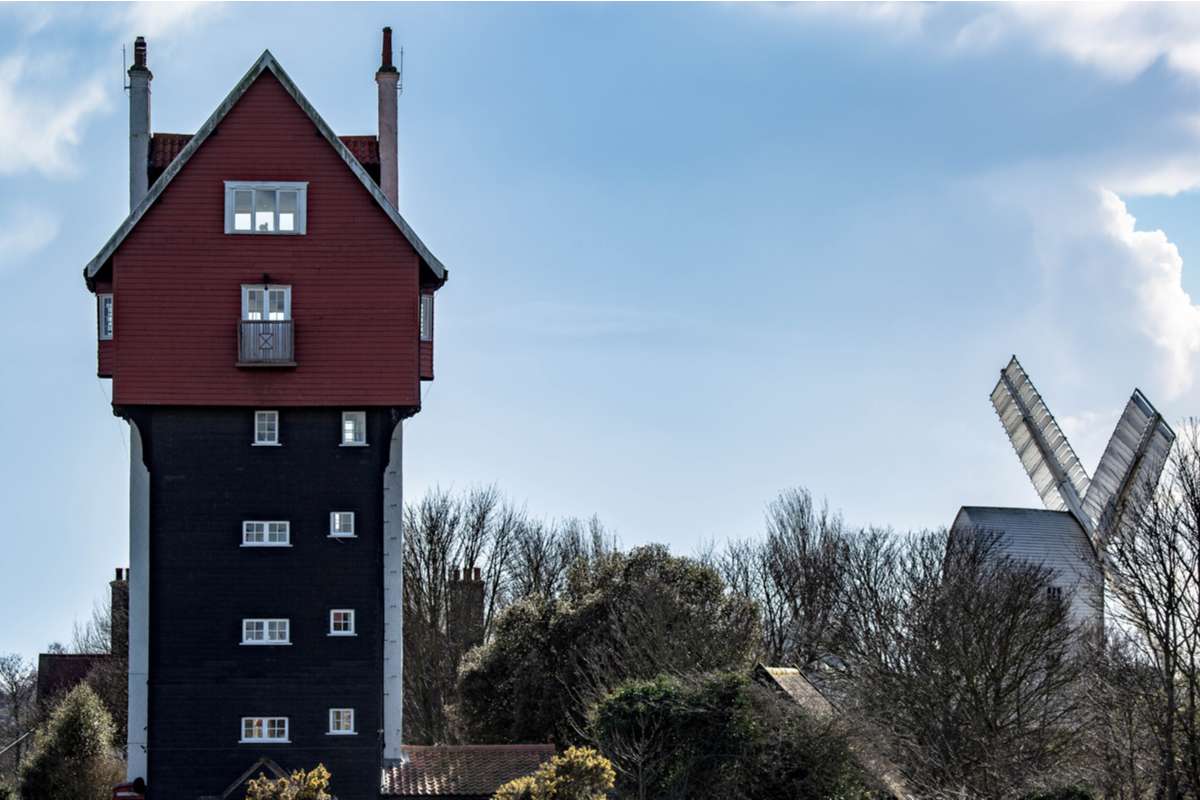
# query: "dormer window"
[[266, 207]]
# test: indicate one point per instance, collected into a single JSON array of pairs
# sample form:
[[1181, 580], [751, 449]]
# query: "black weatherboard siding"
[[206, 478]]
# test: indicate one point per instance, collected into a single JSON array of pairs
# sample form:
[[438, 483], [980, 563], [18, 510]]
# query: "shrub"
[[579, 773], [300, 785], [73, 755]]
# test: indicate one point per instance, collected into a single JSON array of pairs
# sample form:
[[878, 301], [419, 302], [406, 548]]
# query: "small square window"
[[341, 721], [266, 533], [266, 427], [354, 428], [105, 316], [341, 524], [426, 318], [341, 622]]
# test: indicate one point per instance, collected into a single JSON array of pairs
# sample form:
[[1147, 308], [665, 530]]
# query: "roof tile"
[[461, 770]]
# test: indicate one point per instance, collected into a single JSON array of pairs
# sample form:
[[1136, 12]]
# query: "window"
[[341, 524], [341, 721], [264, 729], [354, 428], [266, 427], [266, 631], [341, 622], [266, 533], [105, 315], [1054, 592], [266, 208], [426, 318], [266, 302]]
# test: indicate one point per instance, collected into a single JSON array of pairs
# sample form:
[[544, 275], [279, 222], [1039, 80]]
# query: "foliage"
[[18, 684], [300, 785], [72, 756], [619, 616], [719, 736], [579, 773]]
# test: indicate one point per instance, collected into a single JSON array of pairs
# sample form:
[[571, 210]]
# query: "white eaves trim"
[[265, 62]]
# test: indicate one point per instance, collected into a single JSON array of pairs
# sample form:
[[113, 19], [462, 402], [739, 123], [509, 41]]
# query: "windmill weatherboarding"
[[1070, 534]]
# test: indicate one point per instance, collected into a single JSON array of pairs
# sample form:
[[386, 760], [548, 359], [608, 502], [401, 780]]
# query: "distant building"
[[1069, 535], [464, 772], [59, 673]]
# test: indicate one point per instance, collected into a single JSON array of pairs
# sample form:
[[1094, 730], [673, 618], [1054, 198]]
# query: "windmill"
[[1069, 535]]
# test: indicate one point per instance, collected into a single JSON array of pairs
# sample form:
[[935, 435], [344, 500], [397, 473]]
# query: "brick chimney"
[[388, 79], [466, 601], [119, 629], [139, 124]]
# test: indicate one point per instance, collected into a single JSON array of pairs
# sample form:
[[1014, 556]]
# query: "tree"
[[964, 661], [73, 755], [18, 685], [718, 737], [621, 616], [300, 785], [579, 773]]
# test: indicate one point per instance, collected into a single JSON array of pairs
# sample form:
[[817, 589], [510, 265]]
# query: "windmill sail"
[[1131, 463], [1051, 464]]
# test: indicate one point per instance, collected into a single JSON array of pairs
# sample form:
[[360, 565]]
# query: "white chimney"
[[139, 124], [388, 79]]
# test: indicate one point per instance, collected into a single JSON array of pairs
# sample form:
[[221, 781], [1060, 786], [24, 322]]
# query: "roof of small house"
[[461, 771], [184, 150], [62, 672], [797, 687]]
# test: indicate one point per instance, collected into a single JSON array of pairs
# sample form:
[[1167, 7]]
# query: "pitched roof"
[[265, 63], [62, 672], [472, 770]]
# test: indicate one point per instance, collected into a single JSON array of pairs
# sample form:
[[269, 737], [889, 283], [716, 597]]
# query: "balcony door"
[[266, 302]]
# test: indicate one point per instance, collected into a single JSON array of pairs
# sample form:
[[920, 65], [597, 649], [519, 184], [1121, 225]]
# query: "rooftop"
[[461, 771]]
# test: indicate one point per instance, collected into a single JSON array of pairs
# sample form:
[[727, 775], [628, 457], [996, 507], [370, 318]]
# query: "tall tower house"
[[265, 315]]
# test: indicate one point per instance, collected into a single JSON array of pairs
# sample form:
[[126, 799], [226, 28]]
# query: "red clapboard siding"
[[177, 278]]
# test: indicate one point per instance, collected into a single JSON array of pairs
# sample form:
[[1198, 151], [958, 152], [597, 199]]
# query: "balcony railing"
[[265, 343]]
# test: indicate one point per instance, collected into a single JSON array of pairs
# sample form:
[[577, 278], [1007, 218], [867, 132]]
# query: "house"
[[59, 673], [464, 772], [265, 315]]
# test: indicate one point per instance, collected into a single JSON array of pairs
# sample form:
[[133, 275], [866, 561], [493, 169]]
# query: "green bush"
[[579, 773], [300, 785], [73, 757]]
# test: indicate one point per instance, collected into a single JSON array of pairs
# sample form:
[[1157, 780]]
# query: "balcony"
[[265, 343]]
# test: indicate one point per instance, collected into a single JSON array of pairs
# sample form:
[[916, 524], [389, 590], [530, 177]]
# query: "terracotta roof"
[[165, 146], [471, 770]]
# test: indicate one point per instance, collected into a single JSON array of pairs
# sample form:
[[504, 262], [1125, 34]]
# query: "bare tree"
[[963, 662], [18, 685]]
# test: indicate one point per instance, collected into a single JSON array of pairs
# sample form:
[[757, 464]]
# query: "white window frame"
[[426, 317], [266, 414], [334, 533], [265, 623], [266, 288], [266, 532], [104, 316], [353, 622], [299, 187], [336, 731], [361, 416], [266, 723]]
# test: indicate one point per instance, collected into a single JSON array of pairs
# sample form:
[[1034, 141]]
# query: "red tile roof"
[[461, 771], [165, 146]]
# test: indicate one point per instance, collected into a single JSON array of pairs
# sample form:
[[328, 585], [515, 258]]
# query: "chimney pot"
[[139, 52], [386, 61]]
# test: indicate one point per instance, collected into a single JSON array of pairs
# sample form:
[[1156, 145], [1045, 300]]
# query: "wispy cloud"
[[42, 123], [24, 231]]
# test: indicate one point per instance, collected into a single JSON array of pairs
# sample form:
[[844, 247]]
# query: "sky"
[[699, 254]]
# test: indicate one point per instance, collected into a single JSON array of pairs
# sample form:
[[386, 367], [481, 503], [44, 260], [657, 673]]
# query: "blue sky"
[[698, 253]]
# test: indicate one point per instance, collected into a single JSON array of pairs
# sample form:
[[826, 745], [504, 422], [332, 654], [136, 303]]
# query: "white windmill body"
[[1068, 535]]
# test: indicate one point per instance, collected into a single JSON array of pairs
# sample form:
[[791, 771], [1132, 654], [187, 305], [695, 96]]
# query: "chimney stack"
[[139, 124], [388, 79], [119, 626]]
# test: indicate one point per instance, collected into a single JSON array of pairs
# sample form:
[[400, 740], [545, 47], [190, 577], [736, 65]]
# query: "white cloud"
[[158, 21], [1166, 313], [23, 232], [1118, 39], [42, 124]]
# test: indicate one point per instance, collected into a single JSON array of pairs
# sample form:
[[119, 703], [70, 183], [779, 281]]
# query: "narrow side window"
[[426, 318], [354, 428], [266, 427], [105, 315]]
